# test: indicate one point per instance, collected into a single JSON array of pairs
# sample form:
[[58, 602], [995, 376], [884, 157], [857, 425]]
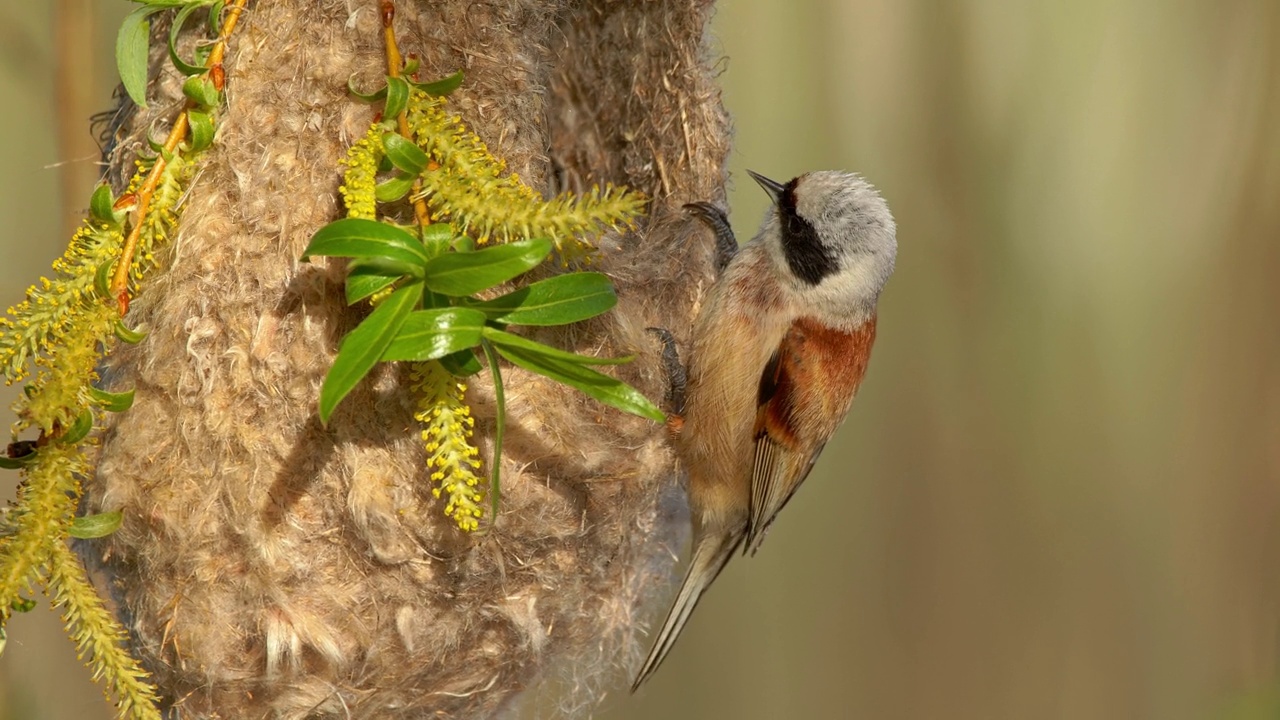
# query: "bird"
[[777, 354]]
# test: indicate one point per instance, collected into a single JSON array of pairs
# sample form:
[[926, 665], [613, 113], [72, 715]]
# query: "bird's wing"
[[805, 390]]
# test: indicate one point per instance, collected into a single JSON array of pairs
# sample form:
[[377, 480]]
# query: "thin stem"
[[228, 26], [120, 280], [178, 133], [491, 355], [395, 61]]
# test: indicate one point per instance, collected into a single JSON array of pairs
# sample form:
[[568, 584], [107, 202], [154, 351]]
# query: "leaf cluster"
[[203, 91], [133, 42], [433, 312], [433, 289]]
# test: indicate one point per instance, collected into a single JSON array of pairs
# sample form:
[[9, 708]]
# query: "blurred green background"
[[1057, 494]]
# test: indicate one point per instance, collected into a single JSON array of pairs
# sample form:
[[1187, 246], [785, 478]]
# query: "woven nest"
[[270, 567]]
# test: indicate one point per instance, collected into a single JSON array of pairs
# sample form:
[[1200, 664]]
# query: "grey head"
[[833, 239]]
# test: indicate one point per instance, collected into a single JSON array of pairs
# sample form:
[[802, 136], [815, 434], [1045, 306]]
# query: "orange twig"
[[178, 133], [120, 280], [394, 62], [229, 26]]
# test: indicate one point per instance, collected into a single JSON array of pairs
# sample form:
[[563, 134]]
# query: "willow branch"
[[178, 133], [394, 63]]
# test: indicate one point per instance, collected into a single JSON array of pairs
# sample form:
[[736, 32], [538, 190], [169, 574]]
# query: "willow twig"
[[394, 64], [142, 198]]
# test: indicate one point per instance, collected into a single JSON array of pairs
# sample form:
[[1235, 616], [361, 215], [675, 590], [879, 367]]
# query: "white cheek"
[[848, 298]]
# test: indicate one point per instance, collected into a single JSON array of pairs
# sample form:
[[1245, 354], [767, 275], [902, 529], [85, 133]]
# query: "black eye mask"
[[808, 258]]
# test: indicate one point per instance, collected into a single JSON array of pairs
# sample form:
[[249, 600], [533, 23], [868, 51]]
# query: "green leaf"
[[495, 479], [79, 429], [365, 280], [133, 337], [88, 527], [559, 300], [410, 66], [374, 96], [17, 463], [434, 301], [102, 205], [22, 604], [202, 129], [112, 401], [132, 44], [200, 90], [512, 341], [403, 154], [437, 237], [397, 97], [431, 334], [443, 86], [215, 17], [175, 29], [460, 274], [102, 279], [462, 364], [608, 390], [362, 238], [362, 347], [389, 267], [395, 188]]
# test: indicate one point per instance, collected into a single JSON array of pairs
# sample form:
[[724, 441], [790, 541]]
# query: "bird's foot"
[[677, 376], [714, 218]]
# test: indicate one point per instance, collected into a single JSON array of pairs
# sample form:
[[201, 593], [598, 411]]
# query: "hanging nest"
[[272, 567]]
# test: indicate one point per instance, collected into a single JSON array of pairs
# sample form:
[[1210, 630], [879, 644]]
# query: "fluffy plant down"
[[269, 567]]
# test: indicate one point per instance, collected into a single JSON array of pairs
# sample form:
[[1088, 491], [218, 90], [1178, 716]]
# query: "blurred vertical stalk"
[[73, 30]]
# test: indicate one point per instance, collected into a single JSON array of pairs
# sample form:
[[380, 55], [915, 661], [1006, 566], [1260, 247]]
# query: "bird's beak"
[[773, 187]]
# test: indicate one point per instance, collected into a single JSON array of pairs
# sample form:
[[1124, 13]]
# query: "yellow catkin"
[[49, 312], [447, 429], [470, 188], [99, 638], [44, 507], [50, 316], [60, 391], [360, 177]]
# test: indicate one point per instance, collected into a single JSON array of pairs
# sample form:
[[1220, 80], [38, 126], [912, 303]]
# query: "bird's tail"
[[709, 558]]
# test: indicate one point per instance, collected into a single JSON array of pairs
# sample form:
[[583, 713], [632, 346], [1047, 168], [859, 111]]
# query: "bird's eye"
[[795, 225]]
